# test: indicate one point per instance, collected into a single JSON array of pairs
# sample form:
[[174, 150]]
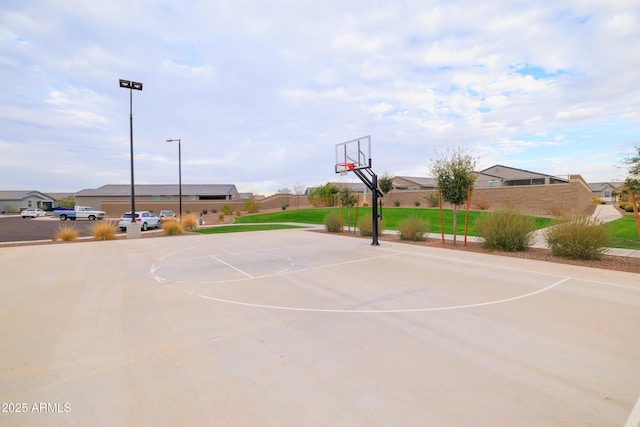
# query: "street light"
[[179, 173], [127, 84]]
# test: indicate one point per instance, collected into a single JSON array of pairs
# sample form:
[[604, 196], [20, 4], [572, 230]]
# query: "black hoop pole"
[[374, 209], [371, 181]]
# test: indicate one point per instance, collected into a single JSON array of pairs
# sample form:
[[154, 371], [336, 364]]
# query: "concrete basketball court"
[[292, 328]]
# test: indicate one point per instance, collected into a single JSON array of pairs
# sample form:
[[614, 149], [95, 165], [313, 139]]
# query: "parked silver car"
[[146, 220]]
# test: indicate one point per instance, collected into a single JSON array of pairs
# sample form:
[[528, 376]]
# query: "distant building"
[[156, 193], [505, 176], [413, 183], [605, 190], [16, 201]]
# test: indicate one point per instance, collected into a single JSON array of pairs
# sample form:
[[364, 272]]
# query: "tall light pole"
[[127, 84], [179, 173]]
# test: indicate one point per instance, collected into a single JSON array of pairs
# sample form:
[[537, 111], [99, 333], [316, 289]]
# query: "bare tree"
[[299, 191]]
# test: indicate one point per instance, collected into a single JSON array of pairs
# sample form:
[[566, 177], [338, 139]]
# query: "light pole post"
[[179, 173], [133, 230]]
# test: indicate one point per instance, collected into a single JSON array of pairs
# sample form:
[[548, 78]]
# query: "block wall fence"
[[575, 196]]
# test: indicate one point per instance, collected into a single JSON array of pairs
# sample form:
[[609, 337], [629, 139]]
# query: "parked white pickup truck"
[[79, 212]]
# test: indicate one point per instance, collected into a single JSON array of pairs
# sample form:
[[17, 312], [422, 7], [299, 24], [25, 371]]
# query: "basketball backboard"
[[354, 154]]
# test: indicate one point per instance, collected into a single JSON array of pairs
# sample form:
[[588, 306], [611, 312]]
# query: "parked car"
[[146, 220], [167, 215], [32, 213]]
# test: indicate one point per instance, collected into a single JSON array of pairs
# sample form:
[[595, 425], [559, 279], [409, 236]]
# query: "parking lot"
[[16, 229], [291, 327]]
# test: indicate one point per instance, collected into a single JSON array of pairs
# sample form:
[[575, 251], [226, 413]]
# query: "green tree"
[[322, 195], [454, 173], [632, 184], [385, 182], [634, 164], [68, 202], [348, 199], [284, 190], [251, 206]]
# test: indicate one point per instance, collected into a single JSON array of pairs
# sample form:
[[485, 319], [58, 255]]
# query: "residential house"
[[606, 191], [413, 183], [505, 176], [16, 201]]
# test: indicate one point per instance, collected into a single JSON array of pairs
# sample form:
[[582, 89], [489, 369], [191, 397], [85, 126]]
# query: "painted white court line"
[[166, 282], [406, 310], [232, 266], [634, 417]]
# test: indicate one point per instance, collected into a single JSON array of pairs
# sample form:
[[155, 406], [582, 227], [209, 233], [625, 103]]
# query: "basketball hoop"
[[348, 166]]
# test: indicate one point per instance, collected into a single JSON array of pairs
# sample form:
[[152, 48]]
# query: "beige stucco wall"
[[534, 199], [575, 196], [114, 208]]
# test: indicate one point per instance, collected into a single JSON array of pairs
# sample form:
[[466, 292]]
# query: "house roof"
[[20, 195], [497, 175], [599, 186], [160, 189], [421, 181]]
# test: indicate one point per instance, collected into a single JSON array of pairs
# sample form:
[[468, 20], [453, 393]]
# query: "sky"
[[260, 92]]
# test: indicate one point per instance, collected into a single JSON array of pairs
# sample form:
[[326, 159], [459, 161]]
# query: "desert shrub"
[[432, 199], [555, 211], [190, 222], [366, 226], [483, 205], [506, 230], [205, 211], [396, 203], [66, 233], [251, 206], [227, 210], [626, 206], [580, 237], [413, 228], [238, 213], [416, 202], [285, 206], [220, 217], [365, 204], [596, 201], [171, 228], [333, 222], [104, 230]]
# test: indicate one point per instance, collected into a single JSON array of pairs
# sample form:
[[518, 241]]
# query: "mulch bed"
[[607, 262]]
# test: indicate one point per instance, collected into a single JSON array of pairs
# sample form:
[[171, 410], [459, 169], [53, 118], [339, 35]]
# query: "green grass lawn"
[[623, 230], [624, 233], [391, 216]]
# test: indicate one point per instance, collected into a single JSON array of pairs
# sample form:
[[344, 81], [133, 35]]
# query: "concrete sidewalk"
[[604, 213]]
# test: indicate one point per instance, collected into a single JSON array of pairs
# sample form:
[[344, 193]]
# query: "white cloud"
[[260, 93]]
